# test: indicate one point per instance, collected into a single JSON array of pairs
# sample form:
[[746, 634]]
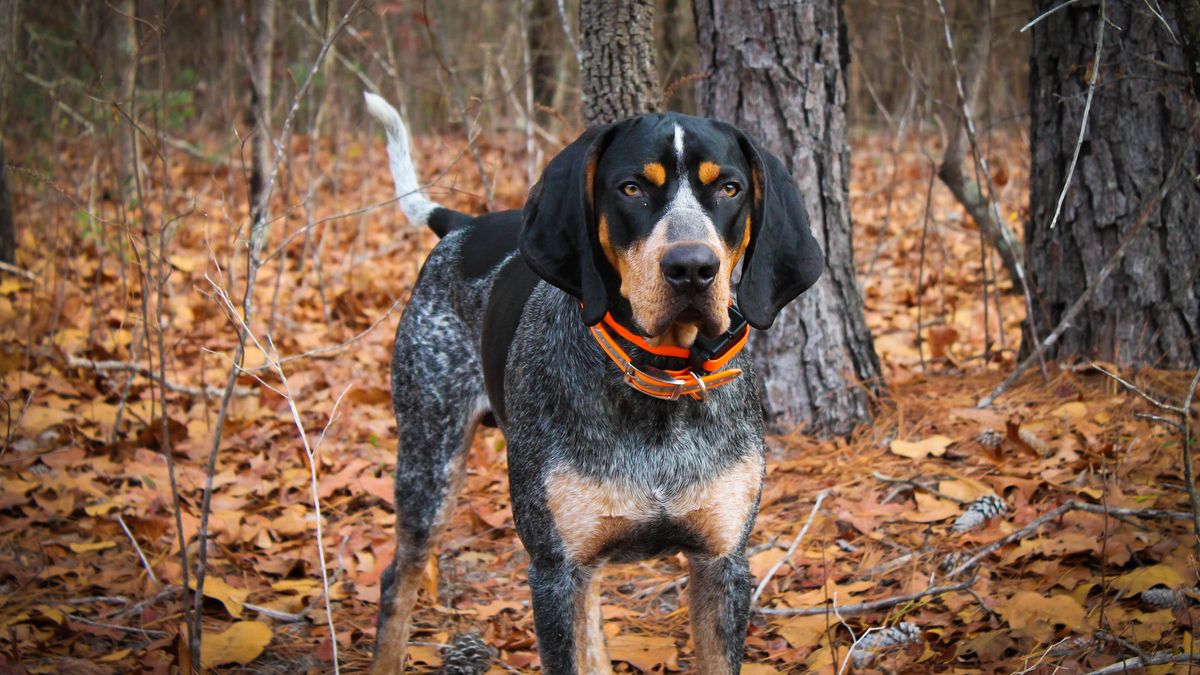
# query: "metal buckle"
[[702, 389], [675, 386]]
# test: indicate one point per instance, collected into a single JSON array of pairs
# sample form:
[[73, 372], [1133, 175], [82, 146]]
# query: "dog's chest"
[[598, 518]]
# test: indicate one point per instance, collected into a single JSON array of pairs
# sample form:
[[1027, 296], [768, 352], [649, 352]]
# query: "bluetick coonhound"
[[597, 328]]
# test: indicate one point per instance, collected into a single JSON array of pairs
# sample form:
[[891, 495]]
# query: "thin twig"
[[874, 605], [791, 549], [154, 634], [136, 547], [122, 366], [1131, 387], [13, 269], [257, 241], [1087, 107], [1045, 14], [276, 614]]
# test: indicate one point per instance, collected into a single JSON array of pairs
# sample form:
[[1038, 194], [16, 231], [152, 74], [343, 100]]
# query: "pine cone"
[[468, 654], [990, 438], [979, 512], [901, 634], [1162, 598]]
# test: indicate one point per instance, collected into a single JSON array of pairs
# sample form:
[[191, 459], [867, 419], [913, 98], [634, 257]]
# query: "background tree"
[[620, 70], [261, 24], [10, 13], [777, 71], [1140, 125]]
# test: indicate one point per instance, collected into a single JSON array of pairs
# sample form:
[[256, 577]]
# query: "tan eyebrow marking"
[[709, 172], [655, 173]]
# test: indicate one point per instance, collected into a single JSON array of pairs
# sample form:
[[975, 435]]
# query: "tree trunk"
[[10, 13], [620, 76], [1147, 312], [262, 40], [546, 46], [777, 71]]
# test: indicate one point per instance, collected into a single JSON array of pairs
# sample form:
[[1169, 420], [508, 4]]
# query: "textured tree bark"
[[546, 47], [620, 76], [1189, 34], [777, 71], [262, 40], [1147, 312]]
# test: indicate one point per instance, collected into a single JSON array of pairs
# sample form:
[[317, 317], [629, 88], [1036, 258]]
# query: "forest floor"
[[83, 459]]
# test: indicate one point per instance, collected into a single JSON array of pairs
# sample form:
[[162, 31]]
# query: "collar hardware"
[[668, 385]]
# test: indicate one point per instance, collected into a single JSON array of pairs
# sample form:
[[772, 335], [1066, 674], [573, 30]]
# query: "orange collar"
[[668, 384]]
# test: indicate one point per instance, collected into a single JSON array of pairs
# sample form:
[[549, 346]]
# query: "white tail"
[[413, 202]]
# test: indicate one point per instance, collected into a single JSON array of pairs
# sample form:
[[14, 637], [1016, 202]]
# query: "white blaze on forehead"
[[679, 144]]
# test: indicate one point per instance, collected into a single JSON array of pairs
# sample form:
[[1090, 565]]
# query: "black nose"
[[690, 267]]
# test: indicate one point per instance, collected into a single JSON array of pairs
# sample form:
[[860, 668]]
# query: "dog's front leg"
[[719, 605], [566, 616]]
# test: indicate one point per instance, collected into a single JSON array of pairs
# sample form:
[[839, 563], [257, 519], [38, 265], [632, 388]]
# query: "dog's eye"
[[731, 189], [631, 189]]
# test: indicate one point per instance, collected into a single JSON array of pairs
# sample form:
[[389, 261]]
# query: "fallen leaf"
[[931, 509], [93, 546], [1144, 578], [644, 651], [763, 560], [240, 643], [934, 445], [1035, 616], [491, 609], [217, 589], [802, 632]]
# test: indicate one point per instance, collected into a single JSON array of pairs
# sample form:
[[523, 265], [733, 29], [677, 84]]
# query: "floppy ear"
[[558, 236], [782, 259]]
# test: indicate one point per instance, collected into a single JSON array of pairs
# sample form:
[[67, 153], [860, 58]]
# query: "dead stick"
[[791, 549], [1158, 659], [871, 606], [136, 547], [122, 366], [1070, 505], [113, 626]]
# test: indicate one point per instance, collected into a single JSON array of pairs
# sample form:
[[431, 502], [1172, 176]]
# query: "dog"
[[598, 329]]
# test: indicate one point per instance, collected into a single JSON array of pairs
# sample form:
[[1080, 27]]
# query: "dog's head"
[[647, 218]]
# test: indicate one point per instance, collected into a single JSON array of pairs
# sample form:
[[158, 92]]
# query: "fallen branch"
[[791, 549], [124, 367], [1070, 505], [874, 605], [13, 269], [1159, 659]]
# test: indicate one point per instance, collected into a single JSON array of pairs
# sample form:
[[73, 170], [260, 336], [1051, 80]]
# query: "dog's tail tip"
[[383, 111], [416, 206]]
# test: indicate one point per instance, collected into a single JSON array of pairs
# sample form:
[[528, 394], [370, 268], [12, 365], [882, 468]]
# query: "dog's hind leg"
[[437, 411]]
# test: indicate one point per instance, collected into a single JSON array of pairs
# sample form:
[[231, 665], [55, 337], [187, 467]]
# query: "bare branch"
[[791, 549], [872, 606]]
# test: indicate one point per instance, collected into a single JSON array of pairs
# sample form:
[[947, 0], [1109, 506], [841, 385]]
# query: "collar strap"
[[667, 384]]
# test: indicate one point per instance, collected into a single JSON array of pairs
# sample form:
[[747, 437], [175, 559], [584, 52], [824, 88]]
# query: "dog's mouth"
[[684, 320]]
